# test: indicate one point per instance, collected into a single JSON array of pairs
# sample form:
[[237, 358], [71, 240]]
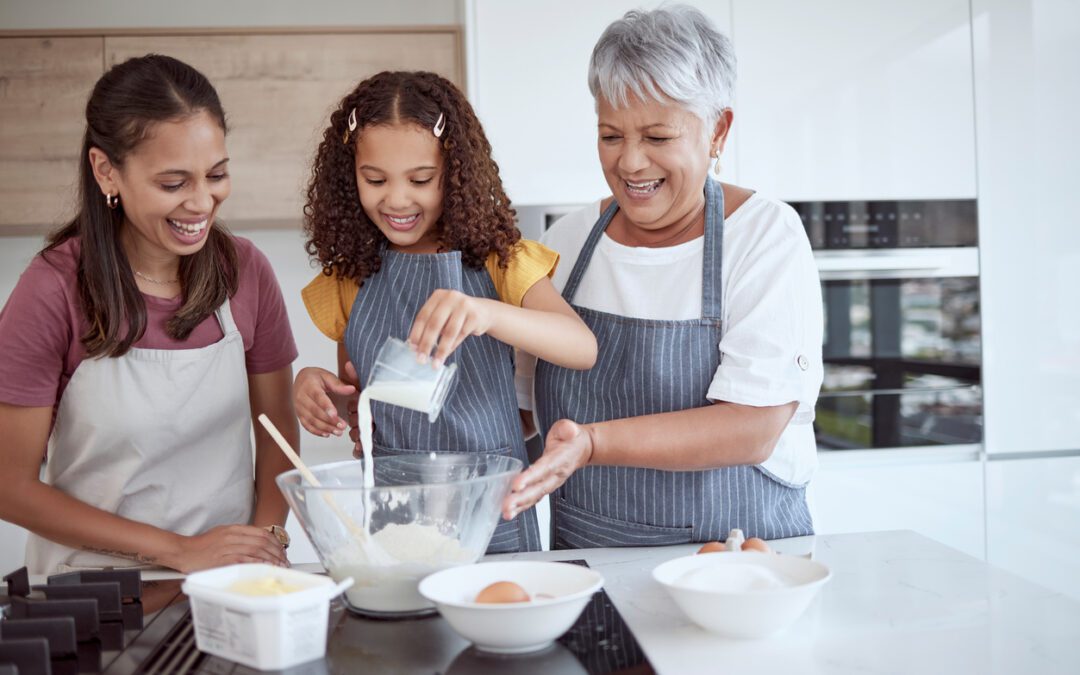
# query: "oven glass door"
[[902, 363]]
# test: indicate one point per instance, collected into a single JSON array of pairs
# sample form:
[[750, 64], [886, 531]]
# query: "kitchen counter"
[[897, 602]]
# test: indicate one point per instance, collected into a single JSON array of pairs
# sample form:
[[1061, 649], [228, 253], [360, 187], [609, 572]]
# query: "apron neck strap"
[[711, 278], [711, 290], [225, 318]]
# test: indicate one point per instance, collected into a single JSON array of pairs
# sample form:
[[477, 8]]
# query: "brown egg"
[[755, 544], [712, 546], [501, 592]]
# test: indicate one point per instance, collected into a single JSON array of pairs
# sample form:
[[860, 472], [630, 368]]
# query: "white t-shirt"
[[771, 336]]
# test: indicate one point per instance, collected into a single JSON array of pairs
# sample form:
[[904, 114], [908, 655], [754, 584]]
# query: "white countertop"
[[897, 602]]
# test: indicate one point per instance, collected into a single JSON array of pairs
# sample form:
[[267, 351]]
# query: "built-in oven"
[[902, 344]]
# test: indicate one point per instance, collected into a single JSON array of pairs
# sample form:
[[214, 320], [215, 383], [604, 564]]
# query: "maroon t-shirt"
[[41, 323]]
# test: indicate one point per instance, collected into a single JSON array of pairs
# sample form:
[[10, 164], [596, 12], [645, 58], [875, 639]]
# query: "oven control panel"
[[890, 223]]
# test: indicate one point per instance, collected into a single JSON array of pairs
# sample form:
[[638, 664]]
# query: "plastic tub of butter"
[[262, 616]]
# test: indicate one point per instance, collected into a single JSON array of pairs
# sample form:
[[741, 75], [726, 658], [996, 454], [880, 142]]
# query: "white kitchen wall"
[[850, 100], [53, 14], [527, 75]]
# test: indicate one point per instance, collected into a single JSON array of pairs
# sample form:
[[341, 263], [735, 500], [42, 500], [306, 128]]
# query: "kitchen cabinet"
[[1027, 88], [44, 83], [277, 86], [940, 498], [278, 92], [843, 100], [528, 81], [1033, 520]]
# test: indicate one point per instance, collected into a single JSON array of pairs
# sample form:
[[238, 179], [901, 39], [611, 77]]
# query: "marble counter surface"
[[898, 602]]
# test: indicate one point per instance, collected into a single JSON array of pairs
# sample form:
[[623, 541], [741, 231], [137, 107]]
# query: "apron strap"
[[587, 250], [711, 278], [225, 318]]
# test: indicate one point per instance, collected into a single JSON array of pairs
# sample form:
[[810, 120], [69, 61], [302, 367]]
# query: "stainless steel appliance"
[[902, 344]]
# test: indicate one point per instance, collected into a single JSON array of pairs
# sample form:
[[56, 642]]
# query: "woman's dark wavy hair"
[[120, 113], [476, 218]]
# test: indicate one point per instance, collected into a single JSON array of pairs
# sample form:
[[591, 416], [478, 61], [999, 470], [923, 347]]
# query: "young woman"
[[137, 346]]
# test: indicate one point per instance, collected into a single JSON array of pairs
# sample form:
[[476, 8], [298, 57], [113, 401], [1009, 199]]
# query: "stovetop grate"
[[176, 653]]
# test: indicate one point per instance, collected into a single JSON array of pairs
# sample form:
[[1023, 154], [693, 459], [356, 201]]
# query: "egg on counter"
[[502, 592], [712, 547], [755, 544]]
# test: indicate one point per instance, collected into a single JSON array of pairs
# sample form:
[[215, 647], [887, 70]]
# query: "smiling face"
[[398, 176], [655, 157], [171, 186]]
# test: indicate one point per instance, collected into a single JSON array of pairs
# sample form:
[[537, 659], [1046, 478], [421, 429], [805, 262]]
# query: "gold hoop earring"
[[112, 201]]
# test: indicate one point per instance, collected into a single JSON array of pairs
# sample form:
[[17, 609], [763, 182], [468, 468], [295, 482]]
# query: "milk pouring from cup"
[[399, 378]]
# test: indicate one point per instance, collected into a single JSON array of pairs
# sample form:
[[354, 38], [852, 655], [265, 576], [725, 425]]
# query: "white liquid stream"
[[388, 565], [412, 395]]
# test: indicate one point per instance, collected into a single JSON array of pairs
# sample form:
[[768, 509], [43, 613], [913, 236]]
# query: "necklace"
[[155, 281]]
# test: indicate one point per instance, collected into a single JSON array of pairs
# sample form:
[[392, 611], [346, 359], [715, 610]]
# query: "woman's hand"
[[314, 407], [448, 317], [569, 447], [226, 545]]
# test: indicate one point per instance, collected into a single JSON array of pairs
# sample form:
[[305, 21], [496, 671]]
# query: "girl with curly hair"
[[408, 217]]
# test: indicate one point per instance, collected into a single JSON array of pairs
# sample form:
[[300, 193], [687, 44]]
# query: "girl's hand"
[[226, 545], [569, 447], [448, 317], [314, 408]]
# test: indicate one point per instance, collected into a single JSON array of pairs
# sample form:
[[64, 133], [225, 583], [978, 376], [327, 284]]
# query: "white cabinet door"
[[528, 80], [942, 500], [855, 100], [1033, 520], [1027, 84]]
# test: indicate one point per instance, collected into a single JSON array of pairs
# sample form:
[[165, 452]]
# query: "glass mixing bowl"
[[427, 512]]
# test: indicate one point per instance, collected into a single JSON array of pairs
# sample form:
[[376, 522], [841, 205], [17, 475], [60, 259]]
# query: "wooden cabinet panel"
[[278, 90], [44, 84]]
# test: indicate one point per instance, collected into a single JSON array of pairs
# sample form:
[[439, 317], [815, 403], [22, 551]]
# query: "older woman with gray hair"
[[705, 301]]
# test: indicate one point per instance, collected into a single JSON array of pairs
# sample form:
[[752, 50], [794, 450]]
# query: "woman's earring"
[[716, 169], [112, 201]]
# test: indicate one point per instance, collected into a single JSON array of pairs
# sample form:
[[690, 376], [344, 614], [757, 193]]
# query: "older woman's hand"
[[569, 446]]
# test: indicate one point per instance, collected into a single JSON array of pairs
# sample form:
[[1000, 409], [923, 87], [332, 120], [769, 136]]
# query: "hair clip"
[[440, 126], [352, 126]]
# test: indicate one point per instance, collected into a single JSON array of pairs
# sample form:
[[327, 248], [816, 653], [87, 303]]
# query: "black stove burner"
[[65, 625]]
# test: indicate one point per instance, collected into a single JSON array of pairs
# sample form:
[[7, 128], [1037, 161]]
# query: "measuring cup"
[[400, 379]]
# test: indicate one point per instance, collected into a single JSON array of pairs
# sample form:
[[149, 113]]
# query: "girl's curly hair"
[[476, 217]]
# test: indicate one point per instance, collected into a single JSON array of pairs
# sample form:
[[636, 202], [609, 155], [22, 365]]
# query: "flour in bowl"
[[417, 551]]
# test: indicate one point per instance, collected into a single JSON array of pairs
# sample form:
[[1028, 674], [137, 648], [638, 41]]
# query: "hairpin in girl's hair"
[[352, 127], [440, 126]]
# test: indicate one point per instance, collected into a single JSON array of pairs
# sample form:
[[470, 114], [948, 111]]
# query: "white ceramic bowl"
[[731, 594], [512, 628]]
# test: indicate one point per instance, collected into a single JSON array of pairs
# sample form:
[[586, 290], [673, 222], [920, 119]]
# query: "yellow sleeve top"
[[329, 299]]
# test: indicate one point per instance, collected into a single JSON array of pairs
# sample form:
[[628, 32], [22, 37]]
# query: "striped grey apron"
[[646, 367], [481, 410]]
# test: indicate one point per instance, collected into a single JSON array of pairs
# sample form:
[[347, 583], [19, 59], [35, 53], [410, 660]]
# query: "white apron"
[[158, 436]]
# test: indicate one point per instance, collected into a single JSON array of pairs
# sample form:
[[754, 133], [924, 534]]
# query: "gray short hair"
[[673, 52]]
